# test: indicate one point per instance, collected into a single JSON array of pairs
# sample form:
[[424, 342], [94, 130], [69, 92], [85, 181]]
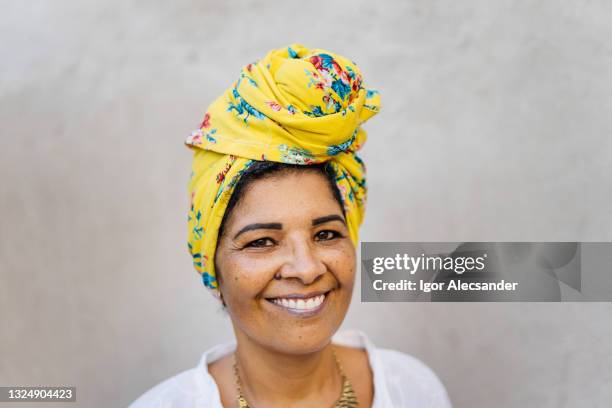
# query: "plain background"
[[495, 126]]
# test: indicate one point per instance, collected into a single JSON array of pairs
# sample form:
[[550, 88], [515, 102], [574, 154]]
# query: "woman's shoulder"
[[400, 379], [181, 390], [191, 388], [410, 381], [401, 365]]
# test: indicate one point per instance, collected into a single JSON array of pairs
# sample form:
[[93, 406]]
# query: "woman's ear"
[[219, 282], [220, 291]]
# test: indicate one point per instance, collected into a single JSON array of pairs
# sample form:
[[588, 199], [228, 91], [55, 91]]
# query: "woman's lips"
[[299, 305]]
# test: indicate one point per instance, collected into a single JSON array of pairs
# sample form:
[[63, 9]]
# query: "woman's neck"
[[269, 378]]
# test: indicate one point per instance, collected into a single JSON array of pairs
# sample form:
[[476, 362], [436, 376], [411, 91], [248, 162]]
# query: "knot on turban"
[[296, 105]]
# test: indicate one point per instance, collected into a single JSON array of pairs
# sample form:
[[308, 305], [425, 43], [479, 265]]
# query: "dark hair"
[[263, 169]]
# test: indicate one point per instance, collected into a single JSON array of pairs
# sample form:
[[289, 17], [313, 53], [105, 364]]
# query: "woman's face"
[[288, 225]]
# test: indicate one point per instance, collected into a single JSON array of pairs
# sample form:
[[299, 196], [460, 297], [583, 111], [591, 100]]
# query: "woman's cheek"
[[341, 261], [251, 274]]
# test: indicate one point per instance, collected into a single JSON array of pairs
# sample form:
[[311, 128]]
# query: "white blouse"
[[400, 380]]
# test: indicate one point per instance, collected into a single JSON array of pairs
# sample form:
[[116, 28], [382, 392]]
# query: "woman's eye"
[[260, 243], [326, 235]]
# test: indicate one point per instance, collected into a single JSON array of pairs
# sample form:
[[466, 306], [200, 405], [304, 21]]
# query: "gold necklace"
[[347, 399]]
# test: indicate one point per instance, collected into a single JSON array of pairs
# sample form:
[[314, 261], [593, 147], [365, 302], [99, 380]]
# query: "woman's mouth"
[[303, 306]]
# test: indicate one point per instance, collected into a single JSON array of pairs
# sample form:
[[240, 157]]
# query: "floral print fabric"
[[296, 105]]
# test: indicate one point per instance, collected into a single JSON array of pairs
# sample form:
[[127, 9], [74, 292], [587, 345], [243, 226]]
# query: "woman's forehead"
[[297, 194]]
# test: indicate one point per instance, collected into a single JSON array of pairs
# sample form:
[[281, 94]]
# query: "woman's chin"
[[305, 343]]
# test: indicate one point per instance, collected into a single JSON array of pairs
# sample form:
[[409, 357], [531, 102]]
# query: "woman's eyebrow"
[[327, 218], [259, 225]]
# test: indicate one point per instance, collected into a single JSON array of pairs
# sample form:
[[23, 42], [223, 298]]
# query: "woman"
[[277, 197]]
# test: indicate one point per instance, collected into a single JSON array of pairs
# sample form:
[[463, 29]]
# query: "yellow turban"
[[296, 105]]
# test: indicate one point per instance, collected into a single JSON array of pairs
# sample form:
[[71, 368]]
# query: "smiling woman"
[[277, 197]]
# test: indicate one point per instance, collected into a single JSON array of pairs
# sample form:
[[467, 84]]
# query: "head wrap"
[[296, 105]]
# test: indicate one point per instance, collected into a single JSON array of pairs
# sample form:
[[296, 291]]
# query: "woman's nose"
[[303, 263]]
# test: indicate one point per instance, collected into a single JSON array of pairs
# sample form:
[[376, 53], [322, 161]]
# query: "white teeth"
[[300, 304]]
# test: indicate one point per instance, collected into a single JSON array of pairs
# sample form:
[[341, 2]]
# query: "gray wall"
[[495, 126]]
